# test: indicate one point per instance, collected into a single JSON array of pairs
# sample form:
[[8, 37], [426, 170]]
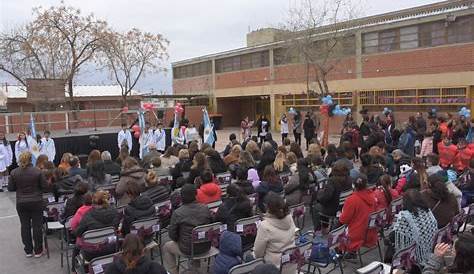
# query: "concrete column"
[[358, 72], [7, 125], [212, 88], [272, 67], [272, 111]]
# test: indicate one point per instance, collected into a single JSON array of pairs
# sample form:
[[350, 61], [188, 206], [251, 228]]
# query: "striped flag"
[[175, 130], [141, 120], [208, 128], [32, 126]]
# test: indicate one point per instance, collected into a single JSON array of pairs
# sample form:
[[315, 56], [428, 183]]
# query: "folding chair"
[[147, 229], [443, 235], [223, 189], [458, 221], [67, 243], [209, 233], [377, 268], [297, 212], [376, 222], [332, 221], [99, 265], [335, 238], [51, 213], [247, 229], [246, 268], [115, 179], [224, 178], [395, 207], [101, 241], [403, 259], [469, 211], [214, 206], [163, 211], [296, 257], [165, 180], [285, 177]]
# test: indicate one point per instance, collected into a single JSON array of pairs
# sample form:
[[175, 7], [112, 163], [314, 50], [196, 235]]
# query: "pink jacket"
[[78, 216], [426, 146]]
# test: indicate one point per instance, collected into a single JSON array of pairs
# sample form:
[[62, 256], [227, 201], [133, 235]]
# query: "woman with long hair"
[[131, 172], [442, 203], [270, 183], [252, 148], [296, 149], [235, 207], [279, 164], [299, 183], [94, 157], [297, 127], [29, 184], [21, 145], [200, 164], [463, 257], [124, 153], [421, 178], [6, 157], [64, 163], [97, 175], [246, 160], [169, 159], [133, 259], [384, 194]]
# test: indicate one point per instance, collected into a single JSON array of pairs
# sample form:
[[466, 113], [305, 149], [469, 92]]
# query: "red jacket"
[[380, 200], [446, 154], [208, 193], [462, 159], [355, 214]]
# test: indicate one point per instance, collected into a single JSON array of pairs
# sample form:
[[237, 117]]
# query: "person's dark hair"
[[132, 250], [414, 202], [232, 136], [93, 157], [471, 163], [385, 182], [169, 152], [188, 193], [4, 140], [296, 149], [241, 173], [87, 198], [80, 189], [331, 149], [41, 161], [276, 205], [234, 191], [97, 171], [464, 260], [340, 170], [360, 183], [270, 175], [133, 189], [433, 158], [438, 188], [341, 152], [156, 162], [304, 173], [207, 176], [365, 159], [74, 161], [286, 141]]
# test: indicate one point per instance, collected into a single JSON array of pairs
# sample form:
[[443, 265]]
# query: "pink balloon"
[[136, 128], [136, 134], [125, 109]]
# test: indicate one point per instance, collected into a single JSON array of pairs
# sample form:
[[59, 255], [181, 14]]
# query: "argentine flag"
[[175, 130], [208, 128], [32, 126]]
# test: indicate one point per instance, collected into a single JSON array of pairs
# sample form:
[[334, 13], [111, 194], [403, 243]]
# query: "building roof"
[[18, 92], [444, 7]]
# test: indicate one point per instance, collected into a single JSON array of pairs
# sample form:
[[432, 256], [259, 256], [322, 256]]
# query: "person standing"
[[308, 128], [29, 183], [283, 127], [21, 145], [245, 126], [297, 127], [124, 137], [6, 157], [146, 139], [160, 138], [47, 146], [263, 125]]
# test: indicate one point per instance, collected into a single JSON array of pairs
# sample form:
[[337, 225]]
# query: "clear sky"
[[194, 27]]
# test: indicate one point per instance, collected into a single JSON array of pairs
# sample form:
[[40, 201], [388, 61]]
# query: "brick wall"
[[256, 77], [423, 61], [190, 85]]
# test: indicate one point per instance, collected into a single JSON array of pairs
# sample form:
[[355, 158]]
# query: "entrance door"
[[262, 107]]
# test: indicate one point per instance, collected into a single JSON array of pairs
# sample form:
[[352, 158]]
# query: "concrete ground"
[[12, 256]]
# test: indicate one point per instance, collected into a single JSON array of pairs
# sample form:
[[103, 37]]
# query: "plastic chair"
[[99, 265], [51, 213], [377, 221], [67, 243], [214, 206], [247, 229], [165, 180], [296, 257], [335, 238], [395, 207], [99, 241], [297, 212], [209, 233], [147, 229], [246, 268], [163, 211], [377, 268], [469, 211]]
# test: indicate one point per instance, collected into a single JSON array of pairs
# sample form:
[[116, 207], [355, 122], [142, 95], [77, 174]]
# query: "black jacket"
[[263, 189], [157, 194], [231, 210], [328, 197], [29, 184], [111, 167], [308, 128], [144, 266], [66, 184], [139, 208], [246, 186], [216, 164], [72, 205], [180, 167], [98, 218], [183, 220], [78, 171]]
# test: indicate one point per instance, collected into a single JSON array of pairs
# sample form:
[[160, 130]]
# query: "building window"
[[409, 37], [243, 62], [389, 40], [370, 42], [193, 70], [438, 34]]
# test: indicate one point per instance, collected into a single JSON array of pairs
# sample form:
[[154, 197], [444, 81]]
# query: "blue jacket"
[[406, 142], [230, 252]]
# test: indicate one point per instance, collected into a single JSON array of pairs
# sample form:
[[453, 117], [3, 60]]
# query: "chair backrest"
[[377, 219], [285, 177], [53, 210], [297, 212], [246, 268], [223, 189], [337, 236], [164, 209], [248, 226], [396, 205], [165, 180], [470, 211], [99, 265], [443, 235], [146, 227], [48, 197], [99, 235], [295, 257], [214, 206], [206, 233], [115, 179], [404, 258], [224, 178], [375, 269], [344, 195]]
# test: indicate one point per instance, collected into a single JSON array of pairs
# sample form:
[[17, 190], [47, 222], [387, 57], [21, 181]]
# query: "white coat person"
[[6, 158], [160, 138], [47, 146], [22, 144], [124, 137], [146, 139]]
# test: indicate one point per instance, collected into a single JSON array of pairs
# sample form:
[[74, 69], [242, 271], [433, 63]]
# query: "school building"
[[408, 60]]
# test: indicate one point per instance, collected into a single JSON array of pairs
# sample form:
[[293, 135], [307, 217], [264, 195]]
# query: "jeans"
[[170, 253], [297, 137], [31, 217], [283, 137]]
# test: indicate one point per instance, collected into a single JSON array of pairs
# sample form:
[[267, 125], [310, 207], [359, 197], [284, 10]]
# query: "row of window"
[[198, 69], [243, 62], [431, 34]]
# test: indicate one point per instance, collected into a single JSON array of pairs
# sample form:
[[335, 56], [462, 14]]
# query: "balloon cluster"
[[328, 107], [148, 106], [136, 131], [178, 108], [338, 111], [327, 100], [386, 111], [292, 111], [465, 112]]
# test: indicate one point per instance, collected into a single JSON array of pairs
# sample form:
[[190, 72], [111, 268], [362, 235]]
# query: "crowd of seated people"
[[266, 179]]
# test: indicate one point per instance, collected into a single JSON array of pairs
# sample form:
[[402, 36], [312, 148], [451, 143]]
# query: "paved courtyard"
[[12, 257]]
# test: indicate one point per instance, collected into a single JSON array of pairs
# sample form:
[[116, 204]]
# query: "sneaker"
[[38, 255], [29, 255]]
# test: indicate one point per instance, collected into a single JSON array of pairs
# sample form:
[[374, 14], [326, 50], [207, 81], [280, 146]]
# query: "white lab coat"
[[20, 147], [160, 139], [124, 136], [5, 156], [146, 139], [48, 148], [191, 134]]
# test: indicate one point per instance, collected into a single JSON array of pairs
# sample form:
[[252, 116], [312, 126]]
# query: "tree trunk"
[[72, 103]]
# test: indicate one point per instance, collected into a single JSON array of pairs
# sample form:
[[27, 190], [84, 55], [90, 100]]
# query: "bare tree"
[[77, 35], [130, 56], [317, 38]]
